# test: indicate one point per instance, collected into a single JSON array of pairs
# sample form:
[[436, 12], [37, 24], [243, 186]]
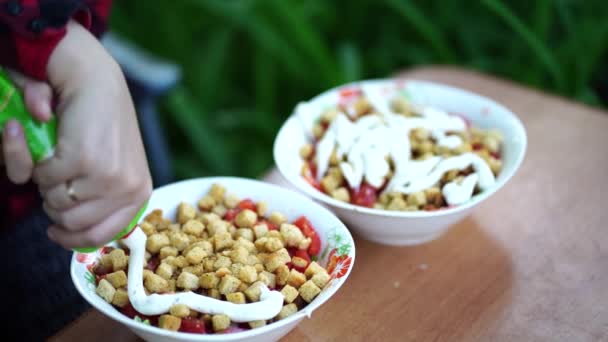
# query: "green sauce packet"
[[41, 137]]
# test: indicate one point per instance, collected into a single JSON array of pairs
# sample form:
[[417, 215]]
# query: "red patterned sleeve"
[[31, 29]]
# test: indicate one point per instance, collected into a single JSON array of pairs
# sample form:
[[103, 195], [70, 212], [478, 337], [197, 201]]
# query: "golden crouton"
[[155, 283], [206, 203], [253, 292], [165, 270], [417, 199], [287, 311], [341, 194], [320, 279], [261, 207], [121, 298], [246, 218], [156, 242], [185, 212], [291, 234], [167, 252], [228, 284], [209, 280], [273, 244], [105, 290], [244, 233], [231, 201], [313, 269], [220, 322], [222, 241], [236, 297], [308, 291], [257, 324], [270, 279], [247, 244], [239, 255], [118, 279], [169, 322], [290, 293], [179, 240], [193, 227], [260, 230], [282, 273], [223, 271], [217, 191], [248, 274], [196, 255], [180, 262], [277, 218], [147, 228], [214, 293], [180, 310], [222, 261], [296, 279], [119, 259], [276, 259], [187, 281]]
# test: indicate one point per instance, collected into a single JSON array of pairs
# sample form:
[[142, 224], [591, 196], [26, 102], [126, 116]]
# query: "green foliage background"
[[247, 63]]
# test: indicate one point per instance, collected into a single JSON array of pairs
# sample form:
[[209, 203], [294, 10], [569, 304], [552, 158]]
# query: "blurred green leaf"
[[247, 63]]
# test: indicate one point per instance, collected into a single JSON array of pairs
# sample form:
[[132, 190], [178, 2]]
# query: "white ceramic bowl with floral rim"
[[402, 227], [337, 248]]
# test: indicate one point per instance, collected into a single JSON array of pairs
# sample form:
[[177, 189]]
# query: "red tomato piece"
[[302, 254], [129, 311], [315, 245], [305, 226], [496, 155], [153, 263], [311, 176], [98, 278], [247, 204], [477, 146], [365, 196], [270, 225], [231, 214], [192, 325]]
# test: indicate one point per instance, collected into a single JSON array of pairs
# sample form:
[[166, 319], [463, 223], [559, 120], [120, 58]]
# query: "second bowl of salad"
[[400, 160]]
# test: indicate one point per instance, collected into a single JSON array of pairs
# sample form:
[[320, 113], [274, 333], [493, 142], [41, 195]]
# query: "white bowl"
[[332, 232], [398, 227]]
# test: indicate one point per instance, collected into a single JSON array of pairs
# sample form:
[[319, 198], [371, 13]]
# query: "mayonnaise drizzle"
[[268, 307], [461, 162], [455, 193], [367, 141]]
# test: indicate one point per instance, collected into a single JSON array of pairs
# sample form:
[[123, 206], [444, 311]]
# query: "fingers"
[[38, 95], [58, 169], [67, 195], [16, 154], [95, 236], [81, 217]]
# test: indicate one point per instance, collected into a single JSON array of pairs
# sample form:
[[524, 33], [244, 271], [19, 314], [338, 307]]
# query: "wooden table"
[[531, 263]]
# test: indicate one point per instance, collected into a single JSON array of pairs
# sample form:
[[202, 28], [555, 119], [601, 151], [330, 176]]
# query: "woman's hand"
[[98, 178], [14, 154]]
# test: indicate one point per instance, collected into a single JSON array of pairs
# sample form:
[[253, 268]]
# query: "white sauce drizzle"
[[268, 307], [455, 193], [367, 141]]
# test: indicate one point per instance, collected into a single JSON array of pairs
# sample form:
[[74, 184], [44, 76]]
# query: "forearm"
[[77, 60]]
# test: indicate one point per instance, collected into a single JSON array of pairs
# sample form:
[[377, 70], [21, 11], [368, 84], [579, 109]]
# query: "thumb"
[[38, 95]]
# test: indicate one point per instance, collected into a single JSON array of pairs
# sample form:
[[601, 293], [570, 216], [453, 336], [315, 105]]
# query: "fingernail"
[[45, 108], [13, 129]]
